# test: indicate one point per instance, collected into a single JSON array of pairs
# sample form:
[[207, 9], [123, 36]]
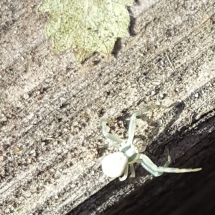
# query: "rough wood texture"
[[51, 108]]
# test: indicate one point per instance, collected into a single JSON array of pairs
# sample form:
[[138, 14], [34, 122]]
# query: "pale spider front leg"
[[156, 171], [114, 140], [132, 124], [145, 161]]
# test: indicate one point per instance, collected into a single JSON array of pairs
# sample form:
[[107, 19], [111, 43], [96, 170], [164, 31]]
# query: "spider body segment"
[[117, 164]]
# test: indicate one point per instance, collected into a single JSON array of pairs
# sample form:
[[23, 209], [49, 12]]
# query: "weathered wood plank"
[[51, 107]]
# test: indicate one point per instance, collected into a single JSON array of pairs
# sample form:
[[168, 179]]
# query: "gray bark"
[[51, 141]]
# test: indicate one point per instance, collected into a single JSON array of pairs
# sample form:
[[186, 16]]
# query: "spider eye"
[[113, 165]]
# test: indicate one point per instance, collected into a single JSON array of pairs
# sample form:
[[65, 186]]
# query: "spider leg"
[[114, 140], [131, 130], [125, 174], [156, 171], [132, 171], [165, 165], [132, 124]]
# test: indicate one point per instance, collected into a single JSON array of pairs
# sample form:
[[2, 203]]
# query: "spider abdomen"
[[113, 165]]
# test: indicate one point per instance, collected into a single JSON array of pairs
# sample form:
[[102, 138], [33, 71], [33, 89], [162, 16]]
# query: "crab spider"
[[117, 164]]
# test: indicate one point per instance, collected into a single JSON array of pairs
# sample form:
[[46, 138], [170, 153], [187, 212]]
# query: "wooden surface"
[[50, 110]]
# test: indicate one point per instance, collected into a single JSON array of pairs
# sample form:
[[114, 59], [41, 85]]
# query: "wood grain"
[[51, 106]]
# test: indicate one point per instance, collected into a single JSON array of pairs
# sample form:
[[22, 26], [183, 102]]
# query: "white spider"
[[116, 164]]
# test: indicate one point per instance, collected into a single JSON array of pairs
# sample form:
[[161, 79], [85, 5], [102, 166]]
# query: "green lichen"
[[87, 26]]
